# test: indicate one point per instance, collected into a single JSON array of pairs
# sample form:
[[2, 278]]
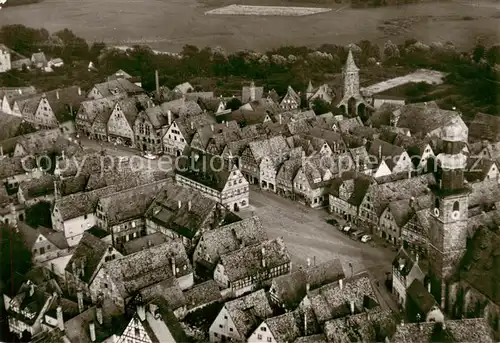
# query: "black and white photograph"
[[250, 171]]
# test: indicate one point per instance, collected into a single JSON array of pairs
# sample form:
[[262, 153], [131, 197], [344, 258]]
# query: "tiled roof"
[[248, 260], [165, 209], [132, 106], [63, 100], [284, 328], [202, 294], [480, 263], [249, 311], [38, 57], [404, 209], [291, 288], [288, 170], [361, 183], [130, 203], [33, 188], [9, 125], [183, 87], [402, 189], [333, 300], [384, 151], [203, 134], [125, 178], [349, 124], [229, 238], [460, 331], [320, 338], [156, 327], [485, 127], [485, 192], [477, 169], [194, 167], [299, 126], [79, 204], [46, 141], [144, 242], [157, 116], [421, 297], [98, 109], [272, 146], [372, 326], [404, 262], [134, 272], [88, 253], [27, 303], [168, 289], [119, 85], [11, 166], [182, 107], [72, 185]]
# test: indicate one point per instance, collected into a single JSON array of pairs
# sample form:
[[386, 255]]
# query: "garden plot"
[[268, 10]]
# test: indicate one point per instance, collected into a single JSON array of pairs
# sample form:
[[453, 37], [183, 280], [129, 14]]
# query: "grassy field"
[[169, 24]]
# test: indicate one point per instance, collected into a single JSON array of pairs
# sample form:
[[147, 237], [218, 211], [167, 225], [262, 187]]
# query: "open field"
[[170, 24], [268, 10]]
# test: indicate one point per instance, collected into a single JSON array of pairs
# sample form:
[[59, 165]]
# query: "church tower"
[[352, 101], [449, 214]]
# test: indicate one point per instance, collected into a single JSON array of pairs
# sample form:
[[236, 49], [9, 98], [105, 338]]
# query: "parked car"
[[332, 221], [356, 235], [346, 229], [149, 156], [366, 238]]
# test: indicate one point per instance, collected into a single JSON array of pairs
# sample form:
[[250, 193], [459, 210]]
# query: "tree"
[[14, 256], [39, 214], [234, 104], [478, 53], [320, 106]]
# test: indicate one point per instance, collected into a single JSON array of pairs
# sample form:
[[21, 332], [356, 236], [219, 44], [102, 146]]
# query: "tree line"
[[473, 74]]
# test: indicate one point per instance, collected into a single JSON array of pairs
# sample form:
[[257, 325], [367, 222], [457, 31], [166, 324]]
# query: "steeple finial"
[[350, 65]]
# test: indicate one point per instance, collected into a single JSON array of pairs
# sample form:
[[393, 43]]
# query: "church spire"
[[310, 88], [350, 65]]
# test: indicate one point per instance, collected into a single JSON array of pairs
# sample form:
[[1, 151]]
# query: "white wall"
[[74, 228]]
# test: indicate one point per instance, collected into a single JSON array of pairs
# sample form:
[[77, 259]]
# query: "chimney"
[[352, 306], [79, 295], [402, 322], [280, 118], [98, 314], [83, 267], [308, 286], [20, 91], [149, 243], [172, 262], [157, 84], [92, 331], [341, 284], [1, 150], [192, 126], [429, 287], [212, 127], [73, 267], [141, 312], [412, 202], [334, 146], [60, 319], [409, 173], [380, 153], [57, 94], [263, 259], [169, 117], [79, 91], [227, 124], [179, 204], [189, 205], [305, 322]]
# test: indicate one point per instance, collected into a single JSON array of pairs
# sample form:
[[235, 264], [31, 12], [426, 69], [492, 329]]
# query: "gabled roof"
[[156, 116], [249, 311], [132, 106], [421, 297], [31, 234], [292, 288], [288, 170], [130, 203], [272, 146], [12, 166], [202, 294], [348, 124], [248, 260], [459, 331], [485, 127], [284, 328], [361, 184], [182, 107], [64, 100], [165, 211], [144, 242], [229, 238], [82, 203], [88, 254], [145, 268], [36, 187], [120, 85], [98, 109]]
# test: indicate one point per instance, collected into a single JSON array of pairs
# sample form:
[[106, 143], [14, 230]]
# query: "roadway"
[[307, 235]]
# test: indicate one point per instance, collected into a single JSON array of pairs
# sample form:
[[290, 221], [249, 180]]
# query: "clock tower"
[[449, 213]]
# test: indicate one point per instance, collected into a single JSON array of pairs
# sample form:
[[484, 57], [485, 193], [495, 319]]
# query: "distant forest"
[[11, 3], [471, 86]]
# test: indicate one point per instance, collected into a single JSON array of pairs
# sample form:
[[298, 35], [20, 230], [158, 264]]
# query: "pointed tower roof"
[[310, 87], [350, 65]]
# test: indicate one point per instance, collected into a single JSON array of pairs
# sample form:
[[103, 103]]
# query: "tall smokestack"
[[157, 83], [169, 116]]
